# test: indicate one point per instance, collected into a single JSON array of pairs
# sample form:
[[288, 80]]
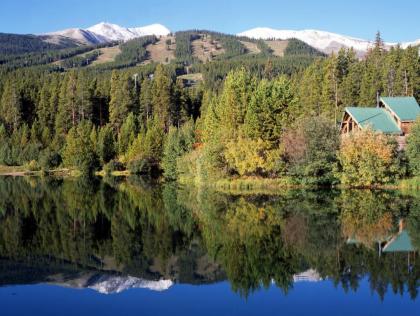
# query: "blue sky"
[[397, 20]]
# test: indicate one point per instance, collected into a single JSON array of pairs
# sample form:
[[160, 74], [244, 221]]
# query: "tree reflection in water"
[[77, 227]]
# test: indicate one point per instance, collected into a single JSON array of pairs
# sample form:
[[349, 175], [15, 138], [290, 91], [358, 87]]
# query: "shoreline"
[[227, 185]]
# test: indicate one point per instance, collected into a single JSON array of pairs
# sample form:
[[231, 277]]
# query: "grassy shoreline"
[[410, 184], [20, 171], [231, 185]]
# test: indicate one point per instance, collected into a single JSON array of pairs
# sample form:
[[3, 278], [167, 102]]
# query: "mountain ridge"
[[107, 32], [327, 42]]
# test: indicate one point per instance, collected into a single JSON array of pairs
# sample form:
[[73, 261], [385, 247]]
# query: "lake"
[[131, 247]]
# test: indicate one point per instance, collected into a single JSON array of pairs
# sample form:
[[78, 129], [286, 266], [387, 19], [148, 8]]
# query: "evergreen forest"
[[246, 116]]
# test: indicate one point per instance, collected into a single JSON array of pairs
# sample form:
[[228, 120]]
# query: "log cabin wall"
[[348, 124]]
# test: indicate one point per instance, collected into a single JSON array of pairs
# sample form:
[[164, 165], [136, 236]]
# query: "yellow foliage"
[[244, 155], [246, 221], [247, 156], [366, 142], [367, 158], [365, 230]]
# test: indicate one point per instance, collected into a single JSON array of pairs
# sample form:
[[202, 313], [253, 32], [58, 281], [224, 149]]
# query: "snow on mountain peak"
[[325, 41], [310, 275], [155, 29], [80, 35], [108, 32], [117, 284], [112, 32]]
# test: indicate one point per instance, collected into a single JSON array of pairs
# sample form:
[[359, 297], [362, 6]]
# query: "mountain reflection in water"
[[110, 236]]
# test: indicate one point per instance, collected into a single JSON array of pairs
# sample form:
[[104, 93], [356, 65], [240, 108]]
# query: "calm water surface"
[[78, 247]]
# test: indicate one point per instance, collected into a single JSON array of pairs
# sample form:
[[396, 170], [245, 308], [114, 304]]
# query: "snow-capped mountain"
[[117, 284], [326, 42], [115, 32], [108, 32], [415, 43], [109, 283], [310, 275], [81, 36]]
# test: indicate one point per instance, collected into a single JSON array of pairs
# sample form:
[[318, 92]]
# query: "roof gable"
[[400, 243], [406, 108], [376, 118]]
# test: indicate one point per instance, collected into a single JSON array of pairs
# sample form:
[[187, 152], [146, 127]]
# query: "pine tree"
[[145, 111], [122, 99], [54, 101], [145, 153], [379, 43], [230, 110], [181, 109], [392, 81], [178, 141], [84, 91], [171, 152], [43, 110], [106, 144], [67, 116], [11, 106], [47, 105], [309, 89], [329, 95], [372, 81], [127, 133], [162, 100], [79, 151], [350, 84], [409, 72], [5, 151], [270, 110]]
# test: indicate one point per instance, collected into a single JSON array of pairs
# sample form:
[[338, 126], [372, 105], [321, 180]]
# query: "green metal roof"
[[400, 243], [406, 108], [378, 119]]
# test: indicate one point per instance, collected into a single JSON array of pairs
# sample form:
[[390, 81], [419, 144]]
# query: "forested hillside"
[[14, 44], [190, 48], [145, 118]]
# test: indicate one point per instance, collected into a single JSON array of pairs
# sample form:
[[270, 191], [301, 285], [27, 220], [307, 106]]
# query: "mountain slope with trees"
[[251, 116]]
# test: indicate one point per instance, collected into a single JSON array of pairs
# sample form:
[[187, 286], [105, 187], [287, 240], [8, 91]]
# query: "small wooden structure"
[[395, 116], [400, 242]]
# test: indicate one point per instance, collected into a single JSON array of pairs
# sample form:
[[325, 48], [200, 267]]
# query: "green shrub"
[[113, 165], [49, 159], [311, 151], [141, 166], [32, 166]]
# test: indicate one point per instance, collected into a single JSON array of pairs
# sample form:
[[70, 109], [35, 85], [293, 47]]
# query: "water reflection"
[[114, 235]]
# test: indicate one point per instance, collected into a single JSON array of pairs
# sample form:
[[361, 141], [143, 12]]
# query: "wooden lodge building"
[[394, 116], [400, 241]]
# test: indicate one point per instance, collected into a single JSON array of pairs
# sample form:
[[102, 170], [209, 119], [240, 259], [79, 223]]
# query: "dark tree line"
[[56, 117]]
